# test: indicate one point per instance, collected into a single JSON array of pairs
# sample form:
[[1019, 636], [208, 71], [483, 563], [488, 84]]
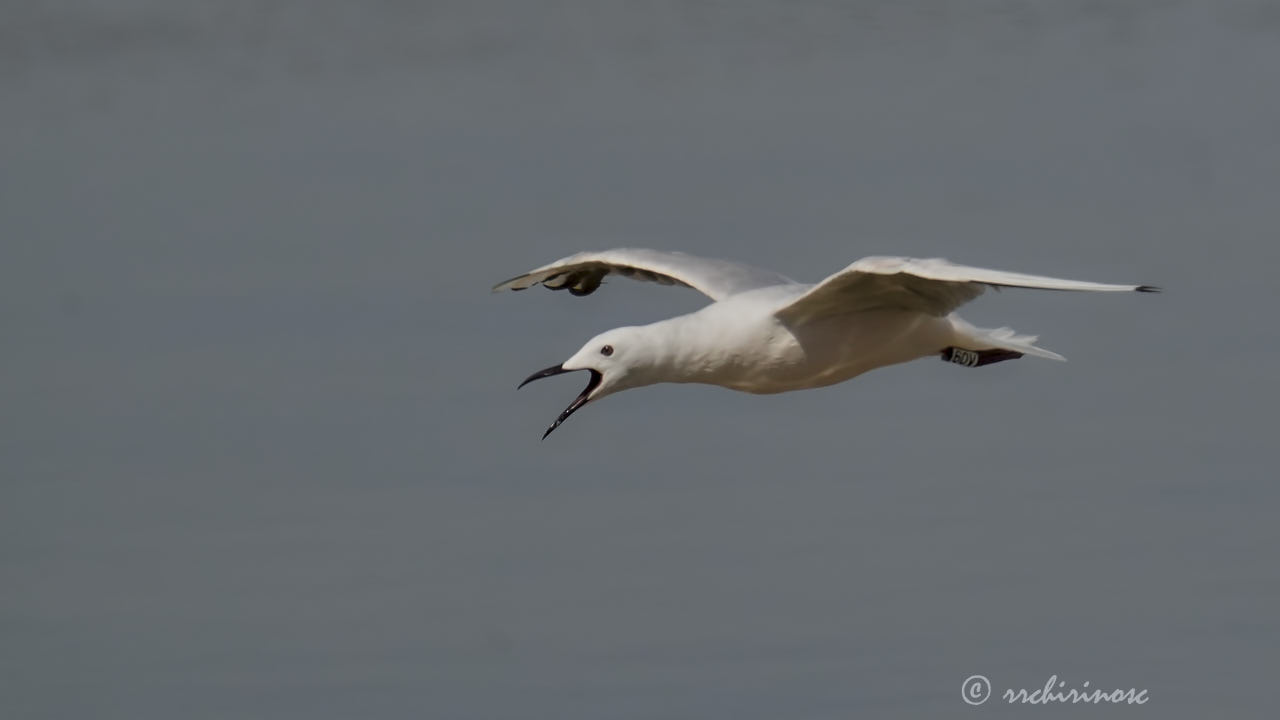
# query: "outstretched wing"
[[933, 286], [581, 274]]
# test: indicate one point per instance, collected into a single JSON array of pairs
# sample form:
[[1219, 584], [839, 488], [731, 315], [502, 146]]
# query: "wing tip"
[[1148, 289], [510, 284]]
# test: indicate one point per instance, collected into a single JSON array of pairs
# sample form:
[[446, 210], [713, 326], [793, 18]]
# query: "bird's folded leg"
[[978, 358]]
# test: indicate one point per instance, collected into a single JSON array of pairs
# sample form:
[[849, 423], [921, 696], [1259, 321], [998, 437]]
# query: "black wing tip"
[[1148, 288]]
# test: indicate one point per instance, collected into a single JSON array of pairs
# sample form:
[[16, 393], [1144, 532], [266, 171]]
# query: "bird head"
[[616, 360]]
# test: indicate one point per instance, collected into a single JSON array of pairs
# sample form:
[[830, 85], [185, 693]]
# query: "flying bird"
[[767, 333]]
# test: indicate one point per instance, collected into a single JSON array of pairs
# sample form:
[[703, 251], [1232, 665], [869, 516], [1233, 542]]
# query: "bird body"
[[766, 333], [740, 344]]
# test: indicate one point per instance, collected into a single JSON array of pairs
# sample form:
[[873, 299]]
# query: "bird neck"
[[685, 349]]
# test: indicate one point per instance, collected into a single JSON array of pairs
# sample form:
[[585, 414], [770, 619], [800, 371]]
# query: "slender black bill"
[[553, 370], [578, 402]]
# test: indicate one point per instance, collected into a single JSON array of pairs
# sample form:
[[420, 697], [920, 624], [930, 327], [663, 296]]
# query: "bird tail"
[[977, 341]]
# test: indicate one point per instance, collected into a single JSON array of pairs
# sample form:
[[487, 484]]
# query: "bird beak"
[[583, 397]]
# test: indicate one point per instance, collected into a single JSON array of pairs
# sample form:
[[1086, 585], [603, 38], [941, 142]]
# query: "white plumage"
[[767, 333]]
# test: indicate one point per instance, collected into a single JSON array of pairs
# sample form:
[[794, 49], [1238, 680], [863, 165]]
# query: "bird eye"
[[607, 350]]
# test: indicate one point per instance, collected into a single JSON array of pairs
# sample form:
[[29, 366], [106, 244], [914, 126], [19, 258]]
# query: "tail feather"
[[975, 338]]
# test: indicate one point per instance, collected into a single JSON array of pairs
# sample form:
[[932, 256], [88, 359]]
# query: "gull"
[[766, 333]]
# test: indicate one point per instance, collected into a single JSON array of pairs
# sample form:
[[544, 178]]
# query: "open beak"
[[578, 402]]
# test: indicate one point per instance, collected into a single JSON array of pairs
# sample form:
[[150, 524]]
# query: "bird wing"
[[933, 286], [582, 273]]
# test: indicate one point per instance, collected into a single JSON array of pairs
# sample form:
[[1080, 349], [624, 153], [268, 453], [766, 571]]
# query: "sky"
[[261, 452]]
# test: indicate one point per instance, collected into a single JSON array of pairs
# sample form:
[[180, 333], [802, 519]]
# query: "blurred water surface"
[[261, 450]]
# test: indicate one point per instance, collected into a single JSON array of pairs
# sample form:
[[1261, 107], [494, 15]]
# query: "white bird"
[[767, 333]]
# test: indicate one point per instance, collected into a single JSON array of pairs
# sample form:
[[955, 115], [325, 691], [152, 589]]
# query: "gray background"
[[261, 447]]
